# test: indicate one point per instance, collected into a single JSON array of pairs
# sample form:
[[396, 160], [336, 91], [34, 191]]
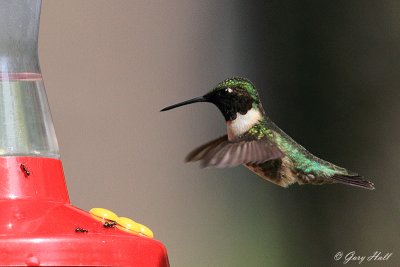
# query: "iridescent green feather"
[[302, 160], [241, 83]]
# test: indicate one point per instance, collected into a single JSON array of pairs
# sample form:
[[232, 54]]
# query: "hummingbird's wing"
[[222, 153]]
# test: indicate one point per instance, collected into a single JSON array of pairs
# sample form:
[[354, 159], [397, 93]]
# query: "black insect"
[[25, 170], [81, 230], [109, 224]]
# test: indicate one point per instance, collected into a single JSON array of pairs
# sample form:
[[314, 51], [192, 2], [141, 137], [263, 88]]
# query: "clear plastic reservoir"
[[26, 127]]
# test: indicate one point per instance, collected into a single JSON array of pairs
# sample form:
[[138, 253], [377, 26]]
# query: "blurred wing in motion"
[[222, 153]]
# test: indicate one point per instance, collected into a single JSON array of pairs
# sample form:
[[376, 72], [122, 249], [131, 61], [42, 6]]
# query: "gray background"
[[328, 74]]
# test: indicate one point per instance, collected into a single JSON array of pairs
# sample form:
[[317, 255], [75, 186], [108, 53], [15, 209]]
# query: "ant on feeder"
[[25, 170], [81, 230], [109, 224]]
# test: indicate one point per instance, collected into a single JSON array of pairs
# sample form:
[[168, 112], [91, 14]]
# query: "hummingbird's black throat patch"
[[231, 101]]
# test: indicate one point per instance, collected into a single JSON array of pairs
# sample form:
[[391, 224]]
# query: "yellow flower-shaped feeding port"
[[122, 223], [133, 227], [128, 225], [144, 230], [103, 214]]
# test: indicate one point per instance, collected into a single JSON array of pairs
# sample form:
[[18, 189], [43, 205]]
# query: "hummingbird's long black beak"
[[187, 102]]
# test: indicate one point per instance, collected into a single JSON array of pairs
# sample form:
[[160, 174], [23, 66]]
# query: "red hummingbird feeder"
[[38, 224]]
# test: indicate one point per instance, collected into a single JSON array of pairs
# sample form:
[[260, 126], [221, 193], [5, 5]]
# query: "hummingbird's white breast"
[[243, 123]]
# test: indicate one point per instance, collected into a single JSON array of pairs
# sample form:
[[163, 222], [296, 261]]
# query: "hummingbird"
[[254, 141]]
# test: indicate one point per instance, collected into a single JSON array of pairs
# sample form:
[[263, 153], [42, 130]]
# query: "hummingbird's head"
[[232, 96]]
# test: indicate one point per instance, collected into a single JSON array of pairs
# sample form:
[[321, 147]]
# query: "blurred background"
[[327, 73]]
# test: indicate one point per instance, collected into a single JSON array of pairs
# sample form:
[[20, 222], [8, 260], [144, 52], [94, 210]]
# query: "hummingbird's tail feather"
[[354, 180]]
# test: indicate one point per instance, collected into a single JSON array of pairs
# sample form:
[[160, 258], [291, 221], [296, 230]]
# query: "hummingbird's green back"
[[301, 159]]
